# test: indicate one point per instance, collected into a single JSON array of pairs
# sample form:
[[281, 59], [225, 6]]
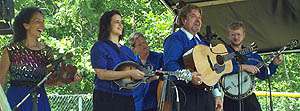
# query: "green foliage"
[[72, 26], [287, 74], [286, 79]]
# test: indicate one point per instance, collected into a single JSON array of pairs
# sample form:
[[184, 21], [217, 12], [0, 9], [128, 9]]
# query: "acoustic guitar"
[[130, 83], [212, 63]]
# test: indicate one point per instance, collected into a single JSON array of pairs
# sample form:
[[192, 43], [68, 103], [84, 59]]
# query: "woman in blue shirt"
[[106, 53], [148, 94]]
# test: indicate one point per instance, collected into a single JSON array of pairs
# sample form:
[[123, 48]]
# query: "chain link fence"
[[81, 102], [84, 102]]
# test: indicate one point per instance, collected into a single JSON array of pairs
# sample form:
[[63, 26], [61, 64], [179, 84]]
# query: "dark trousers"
[[249, 103], [153, 109], [103, 101], [195, 99]]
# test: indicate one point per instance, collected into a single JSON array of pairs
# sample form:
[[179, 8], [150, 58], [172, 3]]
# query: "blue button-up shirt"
[[106, 55], [146, 93], [254, 59], [175, 46]]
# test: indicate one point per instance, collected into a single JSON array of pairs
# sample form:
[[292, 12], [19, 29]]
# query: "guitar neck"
[[234, 54], [165, 72]]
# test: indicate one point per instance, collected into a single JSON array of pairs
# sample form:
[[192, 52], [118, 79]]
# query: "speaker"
[[6, 15], [5, 28], [6, 10]]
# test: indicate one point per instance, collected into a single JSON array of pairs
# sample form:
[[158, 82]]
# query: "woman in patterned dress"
[[25, 62]]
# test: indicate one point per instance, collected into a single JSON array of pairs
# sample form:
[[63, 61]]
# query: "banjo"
[[229, 82], [129, 83], [230, 85]]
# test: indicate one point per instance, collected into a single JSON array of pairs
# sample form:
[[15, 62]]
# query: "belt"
[[20, 83], [203, 87]]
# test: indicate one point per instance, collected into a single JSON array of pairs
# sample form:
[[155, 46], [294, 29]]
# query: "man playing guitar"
[[194, 96]]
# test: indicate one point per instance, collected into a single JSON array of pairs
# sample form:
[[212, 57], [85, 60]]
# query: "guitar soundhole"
[[220, 59]]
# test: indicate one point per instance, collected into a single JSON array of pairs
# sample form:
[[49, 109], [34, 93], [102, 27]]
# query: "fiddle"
[[62, 72]]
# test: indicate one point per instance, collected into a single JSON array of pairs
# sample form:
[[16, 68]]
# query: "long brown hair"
[[105, 25]]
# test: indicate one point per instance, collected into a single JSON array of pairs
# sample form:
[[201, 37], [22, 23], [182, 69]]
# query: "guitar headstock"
[[184, 75], [148, 70], [253, 47], [293, 43]]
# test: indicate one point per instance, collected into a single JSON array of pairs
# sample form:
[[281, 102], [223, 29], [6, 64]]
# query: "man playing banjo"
[[249, 64]]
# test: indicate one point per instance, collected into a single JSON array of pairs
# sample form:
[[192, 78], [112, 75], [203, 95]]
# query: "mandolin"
[[130, 83]]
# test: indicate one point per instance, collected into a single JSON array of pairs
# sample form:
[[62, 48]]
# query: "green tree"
[[72, 26]]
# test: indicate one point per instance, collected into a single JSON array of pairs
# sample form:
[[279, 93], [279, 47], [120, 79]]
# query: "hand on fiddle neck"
[[278, 60]]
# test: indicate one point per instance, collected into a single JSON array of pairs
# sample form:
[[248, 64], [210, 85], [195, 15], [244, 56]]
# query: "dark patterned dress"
[[27, 68]]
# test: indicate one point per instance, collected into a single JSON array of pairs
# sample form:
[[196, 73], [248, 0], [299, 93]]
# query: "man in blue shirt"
[[237, 33], [194, 96], [148, 58]]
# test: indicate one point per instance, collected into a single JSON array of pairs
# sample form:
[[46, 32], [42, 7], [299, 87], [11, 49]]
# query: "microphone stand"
[[162, 100], [166, 77], [177, 95], [269, 60], [163, 92], [270, 89], [34, 94], [239, 59], [34, 90], [239, 89]]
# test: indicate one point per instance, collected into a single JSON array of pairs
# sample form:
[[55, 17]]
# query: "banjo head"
[[230, 85]]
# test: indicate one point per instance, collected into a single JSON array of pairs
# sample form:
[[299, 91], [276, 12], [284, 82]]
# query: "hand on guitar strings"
[[250, 68], [136, 74], [196, 79]]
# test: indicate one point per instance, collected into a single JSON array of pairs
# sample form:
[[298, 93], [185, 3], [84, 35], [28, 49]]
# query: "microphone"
[[209, 36]]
